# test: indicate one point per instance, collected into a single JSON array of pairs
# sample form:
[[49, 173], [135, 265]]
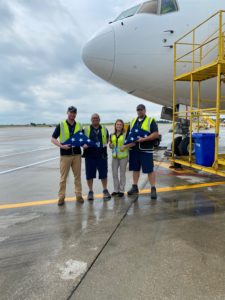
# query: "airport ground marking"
[[97, 196], [27, 166], [19, 153]]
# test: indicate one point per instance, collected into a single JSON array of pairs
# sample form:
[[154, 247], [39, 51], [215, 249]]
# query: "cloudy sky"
[[41, 71]]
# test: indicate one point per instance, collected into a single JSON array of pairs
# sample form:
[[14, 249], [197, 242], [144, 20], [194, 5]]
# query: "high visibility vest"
[[87, 132], [146, 124], [117, 153], [65, 132]]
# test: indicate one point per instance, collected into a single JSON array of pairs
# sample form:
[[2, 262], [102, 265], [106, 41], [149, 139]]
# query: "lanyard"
[[96, 131]]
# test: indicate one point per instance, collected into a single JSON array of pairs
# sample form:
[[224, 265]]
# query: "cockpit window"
[[168, 6], [149, 7], [128, 13]]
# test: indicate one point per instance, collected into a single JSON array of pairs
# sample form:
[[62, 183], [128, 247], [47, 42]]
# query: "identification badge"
[[115, 150], [98, 144]]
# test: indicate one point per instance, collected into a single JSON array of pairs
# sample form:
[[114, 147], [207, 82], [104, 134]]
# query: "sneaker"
[[61, 202], [114, 194], [80, 199], [120, 194], [90, 196], [153, 193], [133, 191], [106, 195]]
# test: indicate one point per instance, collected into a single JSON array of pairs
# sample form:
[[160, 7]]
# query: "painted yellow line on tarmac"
[[185, 187], [145, 191]]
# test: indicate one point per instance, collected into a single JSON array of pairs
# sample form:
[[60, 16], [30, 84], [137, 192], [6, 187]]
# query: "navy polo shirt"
[[72, 150], [96, 136]]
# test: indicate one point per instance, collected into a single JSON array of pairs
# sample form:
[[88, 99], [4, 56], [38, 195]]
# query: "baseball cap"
[[72, 109], [140, 107]]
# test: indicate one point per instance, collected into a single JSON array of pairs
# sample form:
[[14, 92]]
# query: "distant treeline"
[[53, 125]]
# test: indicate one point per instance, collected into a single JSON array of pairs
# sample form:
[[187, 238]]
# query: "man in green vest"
[[141, 155], [96, 158], [70, 157]]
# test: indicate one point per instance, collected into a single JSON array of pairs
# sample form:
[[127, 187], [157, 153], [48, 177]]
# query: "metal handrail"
[[217, 13], [217, 35]]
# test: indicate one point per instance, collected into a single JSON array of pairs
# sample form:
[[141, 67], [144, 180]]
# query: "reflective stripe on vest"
[[64, 131], [87, 132], [120, 141], [146, 124]]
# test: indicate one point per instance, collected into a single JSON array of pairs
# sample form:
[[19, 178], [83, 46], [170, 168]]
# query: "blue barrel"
[[204, 148]]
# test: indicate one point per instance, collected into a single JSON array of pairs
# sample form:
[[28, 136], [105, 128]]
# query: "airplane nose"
[[99, 54]]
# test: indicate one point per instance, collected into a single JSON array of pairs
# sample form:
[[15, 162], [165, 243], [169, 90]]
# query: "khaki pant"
[[73, 161], [119, 184]]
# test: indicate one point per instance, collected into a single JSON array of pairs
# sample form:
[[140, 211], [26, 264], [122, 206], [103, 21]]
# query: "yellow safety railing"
[[200, 55], [202, 49]]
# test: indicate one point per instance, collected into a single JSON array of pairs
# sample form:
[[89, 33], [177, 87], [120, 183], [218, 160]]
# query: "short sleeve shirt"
[[153, 128], [72, 150]]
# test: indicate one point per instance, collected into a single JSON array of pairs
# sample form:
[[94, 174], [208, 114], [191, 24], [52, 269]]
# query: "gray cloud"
[[41, 69]]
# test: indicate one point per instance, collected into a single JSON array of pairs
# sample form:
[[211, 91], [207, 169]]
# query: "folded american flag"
[[78, 140], [135, 134]]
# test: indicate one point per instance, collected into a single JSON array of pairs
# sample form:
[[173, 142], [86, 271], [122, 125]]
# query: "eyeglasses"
[[140, 109]]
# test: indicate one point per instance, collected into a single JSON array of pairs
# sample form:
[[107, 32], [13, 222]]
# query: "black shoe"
[[133, 191], [153, 193], [114, 194], [61, 202], [106, 195], [90, 196], [120, 195]]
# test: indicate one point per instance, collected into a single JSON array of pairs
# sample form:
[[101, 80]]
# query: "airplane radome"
[[135, 51]]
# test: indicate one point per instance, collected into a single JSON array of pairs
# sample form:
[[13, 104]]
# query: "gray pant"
[[119, 184]]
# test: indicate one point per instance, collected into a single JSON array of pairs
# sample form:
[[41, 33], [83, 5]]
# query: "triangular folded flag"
[[135, 134], [79, 139]]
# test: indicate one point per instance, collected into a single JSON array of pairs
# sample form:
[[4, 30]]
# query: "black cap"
[[72, 109], [140, 106]]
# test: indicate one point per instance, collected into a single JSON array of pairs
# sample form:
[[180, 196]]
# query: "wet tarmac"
[[131, 248]]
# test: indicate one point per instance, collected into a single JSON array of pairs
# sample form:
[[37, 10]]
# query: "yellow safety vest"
[[87, 132], [64, 130], [146, 124], [117, 153]]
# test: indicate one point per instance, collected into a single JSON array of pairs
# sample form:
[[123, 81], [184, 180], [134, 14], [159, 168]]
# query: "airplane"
[[135, 51]]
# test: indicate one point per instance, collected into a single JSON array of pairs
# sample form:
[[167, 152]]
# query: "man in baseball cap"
[[141, 155], [70, 157]]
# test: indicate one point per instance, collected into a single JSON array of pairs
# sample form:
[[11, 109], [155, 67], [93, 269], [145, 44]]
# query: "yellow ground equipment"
[[204, 59]]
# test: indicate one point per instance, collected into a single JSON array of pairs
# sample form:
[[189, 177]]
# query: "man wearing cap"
[[70, 157], [141, 155], [96, 158]]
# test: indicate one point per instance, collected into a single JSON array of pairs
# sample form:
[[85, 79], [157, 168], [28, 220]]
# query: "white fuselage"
[[134, 54]]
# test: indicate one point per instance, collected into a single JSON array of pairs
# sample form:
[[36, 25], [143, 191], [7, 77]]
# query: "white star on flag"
[[79, 139], [135, 134]]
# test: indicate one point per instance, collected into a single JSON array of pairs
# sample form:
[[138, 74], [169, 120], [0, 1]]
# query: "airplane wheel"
[[184, 146], [177, 141]]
